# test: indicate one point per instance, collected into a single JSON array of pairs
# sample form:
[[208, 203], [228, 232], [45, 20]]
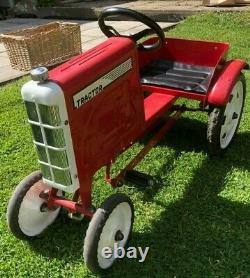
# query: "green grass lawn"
[[195, 221]]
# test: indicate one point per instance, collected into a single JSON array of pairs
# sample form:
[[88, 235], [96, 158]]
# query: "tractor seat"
[[177, 75]]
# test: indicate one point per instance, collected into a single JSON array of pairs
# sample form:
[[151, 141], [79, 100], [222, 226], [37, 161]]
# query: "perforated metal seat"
[[177, 75]]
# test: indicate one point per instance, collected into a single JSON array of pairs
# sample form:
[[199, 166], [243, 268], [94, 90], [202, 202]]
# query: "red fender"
[[219, 94]]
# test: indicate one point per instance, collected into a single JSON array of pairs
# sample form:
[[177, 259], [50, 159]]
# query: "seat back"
[[194, 52]]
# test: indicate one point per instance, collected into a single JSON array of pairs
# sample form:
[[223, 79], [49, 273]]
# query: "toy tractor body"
[[95, 106]]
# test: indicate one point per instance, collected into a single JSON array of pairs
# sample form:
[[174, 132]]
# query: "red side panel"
[[110, 118], [156, 105], [220, 91], [83, 69], [194, 52], [173, 92]]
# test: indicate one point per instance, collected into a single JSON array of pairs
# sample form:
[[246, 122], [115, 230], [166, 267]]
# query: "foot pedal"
[[76, 216], [139, 178]]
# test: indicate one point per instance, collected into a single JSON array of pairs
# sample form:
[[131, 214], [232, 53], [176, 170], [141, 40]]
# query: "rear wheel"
[[111, 224], [27, 215], [224, 121]]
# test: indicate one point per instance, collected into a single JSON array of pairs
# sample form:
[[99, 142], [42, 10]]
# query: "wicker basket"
[[44, 45]]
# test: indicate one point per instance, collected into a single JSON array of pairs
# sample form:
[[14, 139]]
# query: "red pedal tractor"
[[87, 111]]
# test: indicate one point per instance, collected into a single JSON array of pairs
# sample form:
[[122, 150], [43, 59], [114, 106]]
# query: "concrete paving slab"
[[15, 24], [2, 48], [93, 43], [7, 73], [91, 36], [5, 60], [167, 11], [93, 33]]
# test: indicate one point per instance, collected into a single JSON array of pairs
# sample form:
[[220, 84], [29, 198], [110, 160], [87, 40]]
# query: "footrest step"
[[138, 178]]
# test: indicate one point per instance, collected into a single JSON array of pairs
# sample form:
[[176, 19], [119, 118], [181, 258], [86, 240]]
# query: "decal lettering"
[[89, 96], [97, 87]]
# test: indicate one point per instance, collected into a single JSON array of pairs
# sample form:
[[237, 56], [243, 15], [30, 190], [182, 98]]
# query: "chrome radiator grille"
[[48, 135]]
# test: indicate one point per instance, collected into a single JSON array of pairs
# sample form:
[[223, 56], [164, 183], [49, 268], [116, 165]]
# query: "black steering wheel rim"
[[115, 11]]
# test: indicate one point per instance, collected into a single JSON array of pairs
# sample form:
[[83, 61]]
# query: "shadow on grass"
[[188, 135], [64, 240], [202, 234]]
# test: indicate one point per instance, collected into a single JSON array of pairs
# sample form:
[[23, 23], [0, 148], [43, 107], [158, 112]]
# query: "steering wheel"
[[109, 31]]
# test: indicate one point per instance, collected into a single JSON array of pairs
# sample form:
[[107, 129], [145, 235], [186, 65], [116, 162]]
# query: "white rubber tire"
[[224, 121], [115, 214], [24, 216]]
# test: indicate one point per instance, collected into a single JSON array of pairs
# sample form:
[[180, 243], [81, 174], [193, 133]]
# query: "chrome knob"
[[39, 74]]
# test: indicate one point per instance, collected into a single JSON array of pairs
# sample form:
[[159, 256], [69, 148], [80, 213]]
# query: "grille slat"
[[50, 143]]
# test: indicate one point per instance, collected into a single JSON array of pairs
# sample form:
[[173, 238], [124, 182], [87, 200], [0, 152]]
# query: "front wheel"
[[224, 121], [26, 216], [110, 226]]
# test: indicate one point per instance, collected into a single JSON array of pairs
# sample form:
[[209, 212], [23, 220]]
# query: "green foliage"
[[195, 220], [229, 27], [46, 3]]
